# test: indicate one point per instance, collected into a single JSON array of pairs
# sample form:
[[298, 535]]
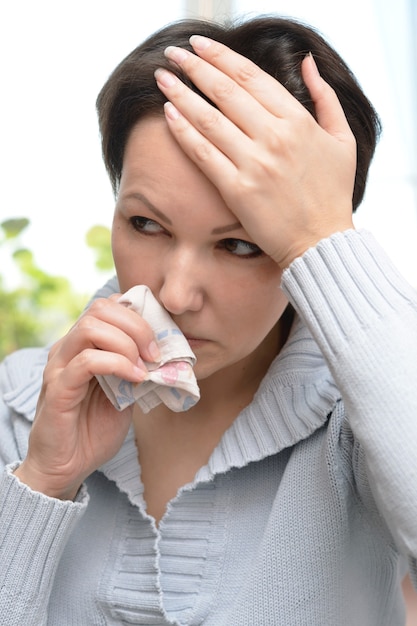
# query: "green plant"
[[43, 306]]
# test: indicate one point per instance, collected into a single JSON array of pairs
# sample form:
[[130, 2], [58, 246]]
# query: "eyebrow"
[[151, 207], [215, 231], [226, 229]]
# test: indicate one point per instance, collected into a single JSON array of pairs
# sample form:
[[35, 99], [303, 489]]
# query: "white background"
[[55, 56]]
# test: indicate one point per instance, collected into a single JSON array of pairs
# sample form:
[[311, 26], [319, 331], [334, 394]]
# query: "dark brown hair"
[[277, 45]]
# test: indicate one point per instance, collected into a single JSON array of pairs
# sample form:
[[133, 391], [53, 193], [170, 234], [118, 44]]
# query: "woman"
[[287, 493]]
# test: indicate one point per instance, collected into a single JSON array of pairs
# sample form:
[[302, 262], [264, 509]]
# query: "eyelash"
[[229, 245], [139, 223], [253, 250]]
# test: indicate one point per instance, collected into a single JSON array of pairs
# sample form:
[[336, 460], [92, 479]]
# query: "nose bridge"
[[182, 286]]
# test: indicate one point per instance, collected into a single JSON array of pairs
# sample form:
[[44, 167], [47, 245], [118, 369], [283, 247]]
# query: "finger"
[[92, 333], [329, 111], [67, 388], [232, 100], [108, 325], [208, 158], [263, 87], [208, 123], [90, 363]]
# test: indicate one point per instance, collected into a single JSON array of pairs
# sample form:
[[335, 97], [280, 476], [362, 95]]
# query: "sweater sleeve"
[[363, 315], [34, 529]]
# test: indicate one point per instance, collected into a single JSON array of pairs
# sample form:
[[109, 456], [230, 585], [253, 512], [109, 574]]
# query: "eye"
[[241, 248], [145, 225]]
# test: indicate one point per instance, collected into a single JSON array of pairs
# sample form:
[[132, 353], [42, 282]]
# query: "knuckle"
[[87, 329], [98, 306], [247, 72], [275, 145], [285, 140], [98, 310], [48, 377], [54, 349], [85, 323], [84, 358], [209, 120], [245, 187], [224, 89], [275, 140], [202, 152]]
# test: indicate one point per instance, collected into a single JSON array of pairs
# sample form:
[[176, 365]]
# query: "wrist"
[[301, 246], [47, 485]]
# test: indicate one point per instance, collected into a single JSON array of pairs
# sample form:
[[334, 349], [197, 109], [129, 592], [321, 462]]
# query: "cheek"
[[117, 239], [121, 258], [253, 307], [131, 263], [265, 311]]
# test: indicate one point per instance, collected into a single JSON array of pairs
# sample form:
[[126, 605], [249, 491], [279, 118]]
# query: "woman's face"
[[173, 232]]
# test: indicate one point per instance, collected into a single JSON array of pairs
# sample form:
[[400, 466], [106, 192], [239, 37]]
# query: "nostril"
[[178, 298]]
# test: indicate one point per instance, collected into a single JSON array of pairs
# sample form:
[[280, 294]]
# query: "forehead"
[[151, 148], [155, 166]]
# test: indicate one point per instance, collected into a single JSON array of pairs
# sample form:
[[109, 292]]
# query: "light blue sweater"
[[301, 514]]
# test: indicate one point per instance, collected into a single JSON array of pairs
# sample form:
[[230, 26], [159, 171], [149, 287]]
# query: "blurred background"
[[57, 203]]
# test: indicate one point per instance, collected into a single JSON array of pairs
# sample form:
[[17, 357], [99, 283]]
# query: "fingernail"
[[176, 54], [164, 77], [154, 352], [199, 42], [141, 366], [171, 112], [313, 63], [140, 373]]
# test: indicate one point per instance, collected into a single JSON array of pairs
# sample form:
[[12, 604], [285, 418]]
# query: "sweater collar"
[[294, 400], [25, 383]]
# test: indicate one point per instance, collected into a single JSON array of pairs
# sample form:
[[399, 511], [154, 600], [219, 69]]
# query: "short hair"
[[277, 45]]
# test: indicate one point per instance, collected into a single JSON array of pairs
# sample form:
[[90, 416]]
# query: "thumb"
[[329, 112]]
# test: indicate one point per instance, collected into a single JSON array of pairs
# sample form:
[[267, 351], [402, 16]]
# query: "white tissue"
[[172, 380]]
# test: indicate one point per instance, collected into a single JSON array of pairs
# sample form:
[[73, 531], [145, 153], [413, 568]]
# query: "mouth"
[[195, 342]]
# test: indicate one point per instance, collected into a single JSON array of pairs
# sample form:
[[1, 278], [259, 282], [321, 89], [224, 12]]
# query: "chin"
[[203, 371]]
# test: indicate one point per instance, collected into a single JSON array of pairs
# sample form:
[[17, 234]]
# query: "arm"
[[289, 181], [363, 315], [75, 430], [34, 530]]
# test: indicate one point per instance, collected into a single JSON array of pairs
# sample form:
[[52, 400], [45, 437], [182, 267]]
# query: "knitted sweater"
[[305, 513]]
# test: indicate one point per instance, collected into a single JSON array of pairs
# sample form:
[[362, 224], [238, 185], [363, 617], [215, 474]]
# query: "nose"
[[182, 286]]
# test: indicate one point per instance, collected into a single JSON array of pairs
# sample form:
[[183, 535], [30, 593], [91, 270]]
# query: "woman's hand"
[[287, 178], [76, 428]]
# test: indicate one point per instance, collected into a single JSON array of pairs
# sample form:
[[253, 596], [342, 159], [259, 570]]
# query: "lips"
[[195, 342]]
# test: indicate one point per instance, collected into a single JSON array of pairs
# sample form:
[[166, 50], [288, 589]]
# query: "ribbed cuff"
[[34, 530], [343, 286]]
